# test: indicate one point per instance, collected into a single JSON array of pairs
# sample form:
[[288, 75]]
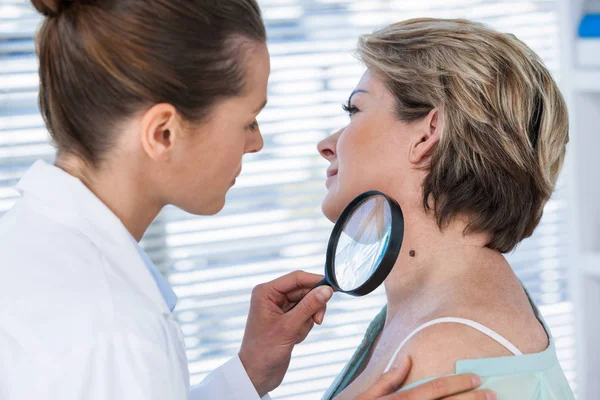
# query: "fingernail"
[[402, 363], [320, 319], [324, 293], [477, 381], [491, 396]]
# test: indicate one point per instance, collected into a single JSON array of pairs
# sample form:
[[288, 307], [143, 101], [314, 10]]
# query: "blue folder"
[[590, 26]]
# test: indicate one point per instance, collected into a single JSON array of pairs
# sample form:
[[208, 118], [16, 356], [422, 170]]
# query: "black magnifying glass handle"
[[322, 282]]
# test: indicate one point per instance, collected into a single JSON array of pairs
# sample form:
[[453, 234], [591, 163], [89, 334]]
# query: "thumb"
[[312, 303], [389, 382]]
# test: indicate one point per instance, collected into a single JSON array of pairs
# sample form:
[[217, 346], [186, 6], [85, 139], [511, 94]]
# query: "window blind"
[[272, 222]]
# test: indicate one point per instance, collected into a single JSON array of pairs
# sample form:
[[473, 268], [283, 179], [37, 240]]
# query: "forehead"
[[374, 87], [256, 69], [257, 66]]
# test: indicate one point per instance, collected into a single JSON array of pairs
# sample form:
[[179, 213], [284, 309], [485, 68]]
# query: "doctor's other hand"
[[272, 329], [456, 387]]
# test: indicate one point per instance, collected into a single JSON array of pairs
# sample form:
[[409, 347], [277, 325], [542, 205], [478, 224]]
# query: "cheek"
[[352, 178], [359, 156], [225, 154], [370, 159], [210, 165], [351, 149]]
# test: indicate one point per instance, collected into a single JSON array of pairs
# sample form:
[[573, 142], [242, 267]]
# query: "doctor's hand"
[[272, 329], [455, 387]]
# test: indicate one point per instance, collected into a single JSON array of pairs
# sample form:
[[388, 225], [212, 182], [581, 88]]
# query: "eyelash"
[[350, 109], [253, 126]]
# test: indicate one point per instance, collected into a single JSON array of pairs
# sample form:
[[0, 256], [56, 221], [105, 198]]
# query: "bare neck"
[[437, 265], [121, 187]]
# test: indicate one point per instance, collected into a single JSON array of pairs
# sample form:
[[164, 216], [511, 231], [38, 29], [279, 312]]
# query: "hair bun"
[[51, 8]]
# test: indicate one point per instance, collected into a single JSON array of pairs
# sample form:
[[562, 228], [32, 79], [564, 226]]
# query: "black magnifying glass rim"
[[389, 257]]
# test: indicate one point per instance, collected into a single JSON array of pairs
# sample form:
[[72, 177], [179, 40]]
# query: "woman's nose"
[[327, 147]]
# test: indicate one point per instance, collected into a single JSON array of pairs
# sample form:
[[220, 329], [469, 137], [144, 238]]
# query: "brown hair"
[[101, 61], [504, 122]]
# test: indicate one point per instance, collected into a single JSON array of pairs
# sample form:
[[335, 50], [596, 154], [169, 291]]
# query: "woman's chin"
[[331, 207]]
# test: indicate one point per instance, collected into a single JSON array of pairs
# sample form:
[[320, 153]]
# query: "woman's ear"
[[426, 137], [159, 129]]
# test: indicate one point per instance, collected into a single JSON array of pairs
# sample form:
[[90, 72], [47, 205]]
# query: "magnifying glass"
[[364, 245]]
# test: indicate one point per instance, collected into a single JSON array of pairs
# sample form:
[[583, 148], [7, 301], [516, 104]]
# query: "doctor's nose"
[[255, 142]]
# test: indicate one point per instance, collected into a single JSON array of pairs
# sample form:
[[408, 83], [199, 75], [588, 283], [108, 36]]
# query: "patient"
[[467, 130]]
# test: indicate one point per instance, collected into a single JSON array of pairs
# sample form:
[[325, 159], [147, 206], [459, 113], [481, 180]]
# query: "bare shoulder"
[[435, 350]]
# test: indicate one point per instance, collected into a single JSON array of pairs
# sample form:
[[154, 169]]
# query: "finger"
[[295, 280], [312, 303], [478, 395], [319, 316], [446, 386], [296, 295], [389, 382], [289, 300], [286, 301]]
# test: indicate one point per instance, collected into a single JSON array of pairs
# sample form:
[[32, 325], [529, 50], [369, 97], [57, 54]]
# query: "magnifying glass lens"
[[362, 243]]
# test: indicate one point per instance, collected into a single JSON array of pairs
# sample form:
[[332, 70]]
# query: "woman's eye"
[[350, 109]]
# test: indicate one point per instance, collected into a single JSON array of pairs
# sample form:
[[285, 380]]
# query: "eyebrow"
[[354, 92], [261, 107]]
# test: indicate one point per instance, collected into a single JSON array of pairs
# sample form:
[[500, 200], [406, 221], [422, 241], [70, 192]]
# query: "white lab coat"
[[81, 317]]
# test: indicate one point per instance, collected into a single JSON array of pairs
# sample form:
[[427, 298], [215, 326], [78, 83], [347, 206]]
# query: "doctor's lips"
[[235, 177]]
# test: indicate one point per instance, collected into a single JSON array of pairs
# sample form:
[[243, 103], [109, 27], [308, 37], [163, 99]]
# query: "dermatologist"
[[149, 103]]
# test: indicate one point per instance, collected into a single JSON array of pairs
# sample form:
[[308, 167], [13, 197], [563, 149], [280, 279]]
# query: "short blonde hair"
[[504, 121]]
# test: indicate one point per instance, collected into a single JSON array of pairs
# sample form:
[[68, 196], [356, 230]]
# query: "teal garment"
[[535, 376]]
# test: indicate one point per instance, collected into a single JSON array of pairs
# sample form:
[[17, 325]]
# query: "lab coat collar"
[[68, 201]]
